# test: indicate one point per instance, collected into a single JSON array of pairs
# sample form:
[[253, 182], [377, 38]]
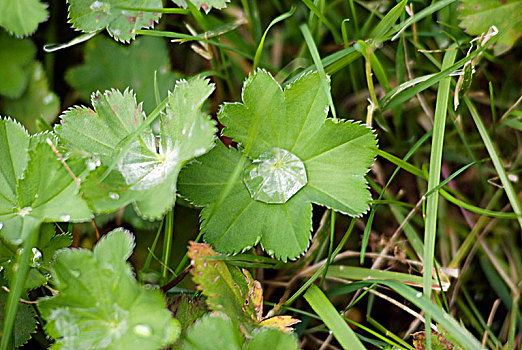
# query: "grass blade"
[[430, 230], [331, 318]]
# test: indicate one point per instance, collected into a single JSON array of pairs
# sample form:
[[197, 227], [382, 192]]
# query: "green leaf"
[[114, 15], [265, 204], [21, 17], [214, 331], [34, 185], [206, 5], [109, 65], [187, 310], [147, 173], [100, 304], [15, 55], [273, 339], [477, 16], [37, 100], [25, 322]]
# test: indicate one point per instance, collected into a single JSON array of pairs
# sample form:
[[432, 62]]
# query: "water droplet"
[[65, 217], [48, 99], [75, 273], [114, 195], [36, 195], [418, 295], [24, 211], [142, 330], [37, 257], [97, 5], [270, 252], [98, 162], [1, 225], [93, 163], [275, 176]]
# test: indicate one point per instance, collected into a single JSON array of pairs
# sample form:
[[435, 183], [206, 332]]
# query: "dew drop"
[[1, 225], [418, 295], [270, 252], [97, 5], [36, 195], [142, 330], [65, 217], [114, 195], [37, 257], [48, 99]]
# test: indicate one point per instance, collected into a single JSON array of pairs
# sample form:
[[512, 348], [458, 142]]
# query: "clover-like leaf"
[[477, 16], [37, 100], [35, 186], [295, 157], [21, 17], [100, 305], [115, 15], [15, 55], [110, 65], [147, 173], [206, 5]]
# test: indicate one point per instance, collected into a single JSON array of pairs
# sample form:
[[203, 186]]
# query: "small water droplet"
[[37, 257], [36, 195], [24, 211], [98, 162], [65, 217], [114, 195], [418, 295], [97, 5], [270, 252], [75, 273], [1, 225], [48, 99], [142, 330]]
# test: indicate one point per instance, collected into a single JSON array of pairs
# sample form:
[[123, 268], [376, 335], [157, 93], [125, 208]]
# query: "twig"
[[494, 308]]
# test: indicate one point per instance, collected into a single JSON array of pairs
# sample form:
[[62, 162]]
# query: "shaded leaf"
[[37, 101], [110, 65], [24, 324], [35, 187], [438, 341], [273, 339], [90, 16], [213, 331], [270, 207], [21, 17], [147, 173], [16, 56], [477, 16], [187, 310], [101, 305]]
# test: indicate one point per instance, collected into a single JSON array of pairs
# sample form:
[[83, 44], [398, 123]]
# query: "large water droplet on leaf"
[[275, 176], [142, 330]]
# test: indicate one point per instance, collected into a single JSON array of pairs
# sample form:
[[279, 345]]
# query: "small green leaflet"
[[16, 56], [111, 65], [25, 322], [336, 157], [477, 16], [206, 5], [35, 187], [147, 173], [100, 305], [37, 100], [21, 17], [94, 15]]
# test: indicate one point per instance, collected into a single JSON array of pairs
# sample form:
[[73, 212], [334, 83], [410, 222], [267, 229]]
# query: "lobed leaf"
[[206, 5], [115, 15], [21, 17], [35, 186], [100, 304], [281, 132], [477, 16], [147, 173], [24, 323]]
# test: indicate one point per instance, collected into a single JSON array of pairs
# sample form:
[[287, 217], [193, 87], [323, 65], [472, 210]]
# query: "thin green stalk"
[[330, 248], [497, 162], [148, 260], [167, 244], [430, 230], [387, 333], [323, 19]]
